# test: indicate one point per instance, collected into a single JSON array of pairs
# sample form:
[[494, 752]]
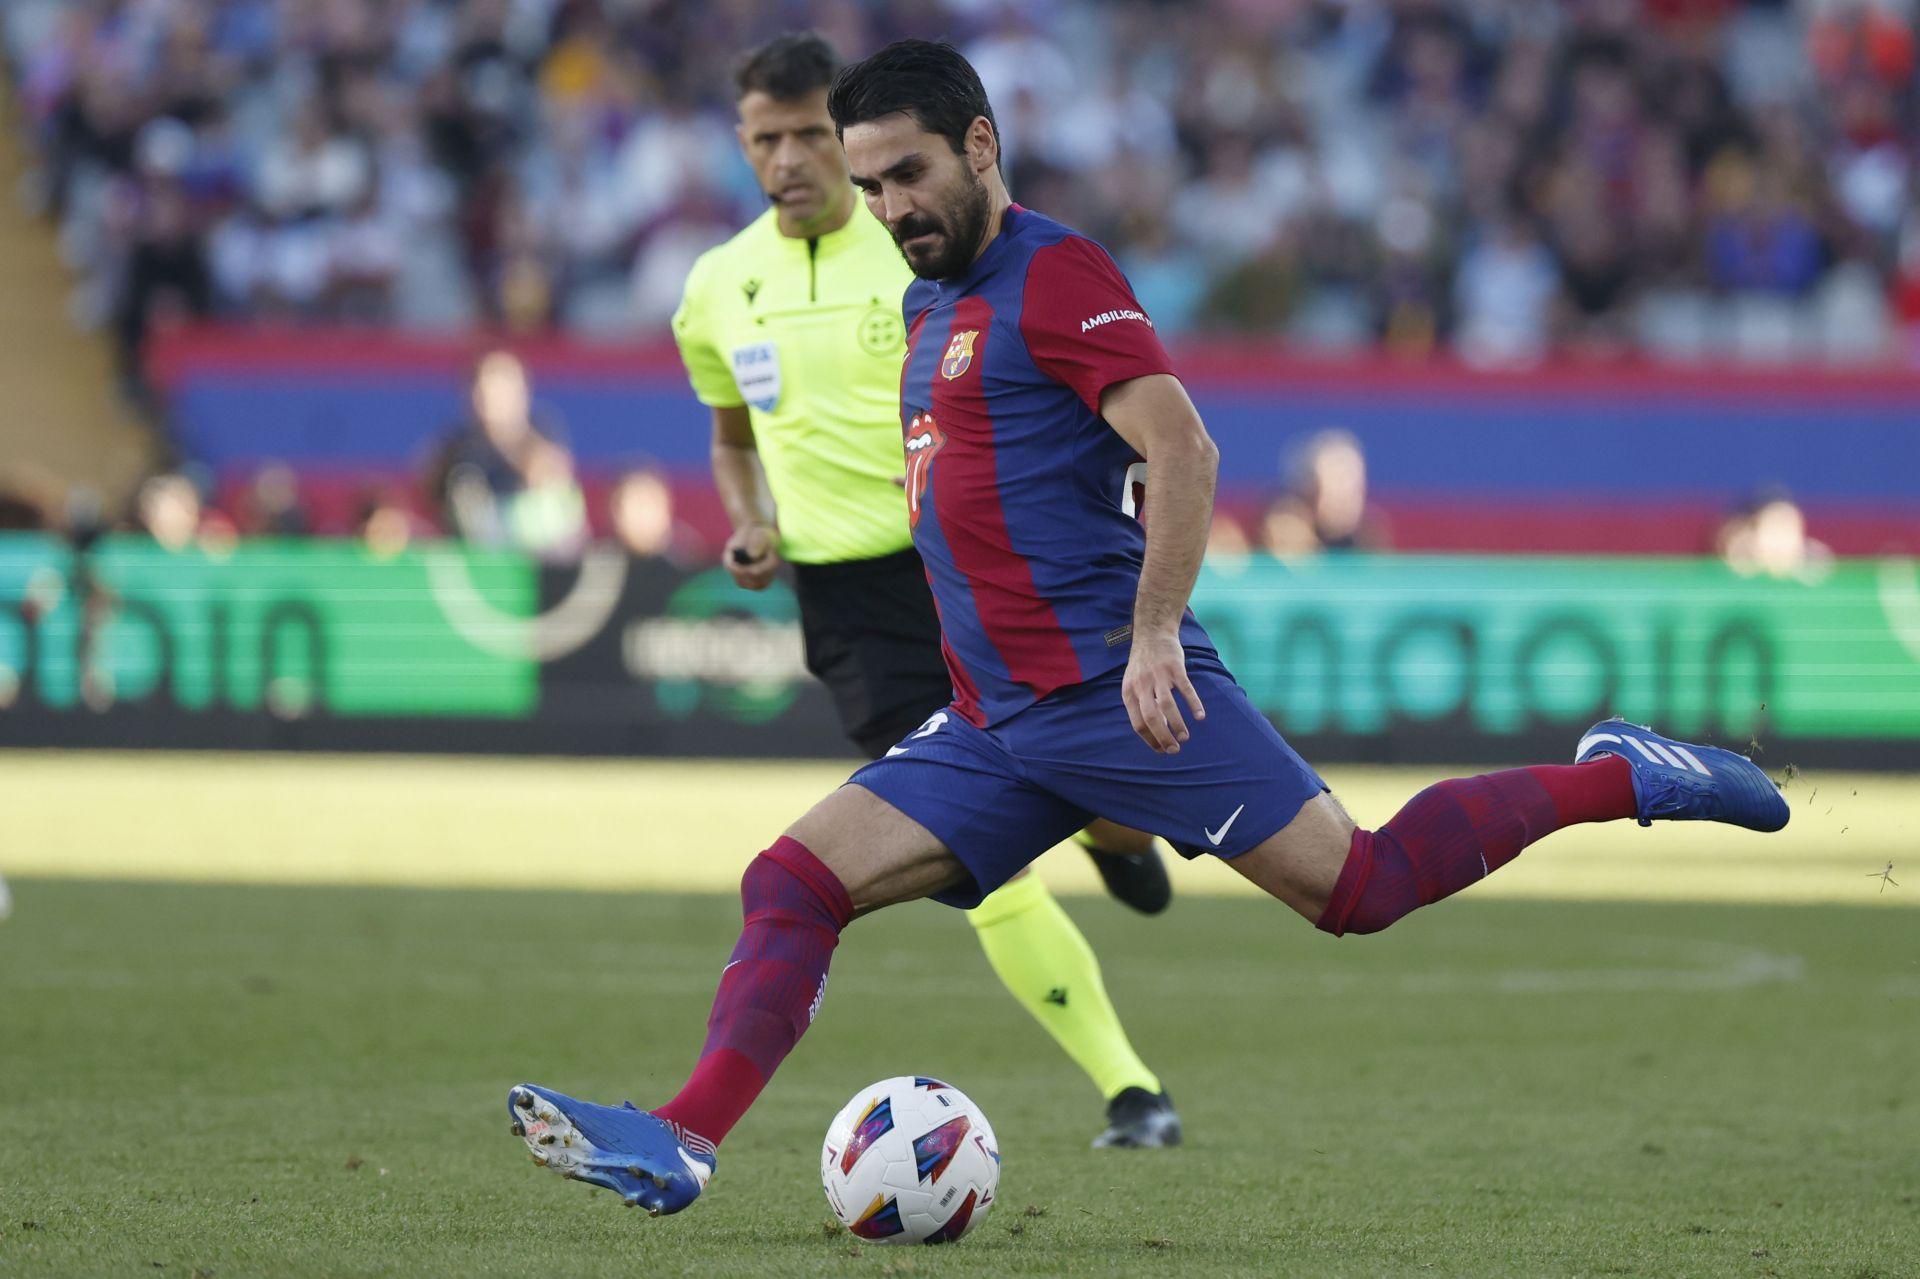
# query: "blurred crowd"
[[1502, 178]]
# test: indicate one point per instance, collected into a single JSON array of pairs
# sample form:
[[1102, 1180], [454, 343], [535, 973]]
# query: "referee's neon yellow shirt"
[[807, 334]]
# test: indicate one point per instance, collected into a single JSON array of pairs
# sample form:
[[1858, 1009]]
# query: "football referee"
[[792, 335]]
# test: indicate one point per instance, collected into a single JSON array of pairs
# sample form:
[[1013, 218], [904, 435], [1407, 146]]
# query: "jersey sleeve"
[[707, 368], [1081, 323]]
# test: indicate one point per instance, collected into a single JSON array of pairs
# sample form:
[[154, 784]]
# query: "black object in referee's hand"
[[741, 555]]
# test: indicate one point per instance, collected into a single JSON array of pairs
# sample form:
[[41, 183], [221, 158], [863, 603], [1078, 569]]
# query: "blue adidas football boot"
[[1679, 782], [640, 1157]]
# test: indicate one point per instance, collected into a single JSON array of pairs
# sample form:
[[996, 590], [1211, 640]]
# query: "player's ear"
[[983, 146]]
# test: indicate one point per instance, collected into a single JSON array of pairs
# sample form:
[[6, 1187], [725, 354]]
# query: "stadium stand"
[[1686, 177]]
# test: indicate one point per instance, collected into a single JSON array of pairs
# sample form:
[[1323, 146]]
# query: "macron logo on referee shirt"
[[1093, 322]]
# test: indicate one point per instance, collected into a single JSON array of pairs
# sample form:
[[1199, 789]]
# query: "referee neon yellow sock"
[[1045, 961]]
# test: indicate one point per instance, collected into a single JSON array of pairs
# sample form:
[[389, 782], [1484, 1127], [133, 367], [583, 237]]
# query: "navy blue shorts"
[[999, 797]]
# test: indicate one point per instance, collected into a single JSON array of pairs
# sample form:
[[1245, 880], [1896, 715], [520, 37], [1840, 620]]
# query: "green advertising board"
[[283, 625], [1499, 645], [1337, 647]]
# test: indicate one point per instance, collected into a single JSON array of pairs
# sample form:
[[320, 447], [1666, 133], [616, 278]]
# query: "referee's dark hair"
[[786, 68], [926, 79]]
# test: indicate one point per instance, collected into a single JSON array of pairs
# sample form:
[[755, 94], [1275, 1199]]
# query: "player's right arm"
[[752, 554]]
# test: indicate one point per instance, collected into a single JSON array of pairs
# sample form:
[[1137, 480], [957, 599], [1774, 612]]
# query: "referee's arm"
[[752, 554]]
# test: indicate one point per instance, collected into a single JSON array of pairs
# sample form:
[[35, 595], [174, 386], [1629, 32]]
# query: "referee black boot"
[[1140, 1120], [1138, 879]]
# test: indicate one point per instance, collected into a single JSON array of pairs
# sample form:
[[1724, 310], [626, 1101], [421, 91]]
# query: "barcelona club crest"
[[959, 356]]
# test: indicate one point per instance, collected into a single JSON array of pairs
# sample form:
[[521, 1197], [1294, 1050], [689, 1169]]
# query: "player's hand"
[[1156, 670], [752, 556]]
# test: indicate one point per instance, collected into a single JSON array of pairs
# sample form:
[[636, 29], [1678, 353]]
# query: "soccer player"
[[1033, 386], [791, 334]]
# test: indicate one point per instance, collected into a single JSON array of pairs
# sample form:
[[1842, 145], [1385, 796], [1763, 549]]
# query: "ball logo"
[[959, 356], [933, 1151], [874, 1124], [880, 1220], [924, 440]]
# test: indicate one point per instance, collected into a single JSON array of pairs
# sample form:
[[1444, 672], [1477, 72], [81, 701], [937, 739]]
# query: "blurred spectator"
[[1758, 238], [1766, 536], [504, 481], [640, 512], [1324, 507], [385, 523], [316, 174], [1236, 209], [168, 510], [1689, 177], [1168, 279], [1226, 540], [1504, 295], [1286, 530], [157, 227], [270, 505]]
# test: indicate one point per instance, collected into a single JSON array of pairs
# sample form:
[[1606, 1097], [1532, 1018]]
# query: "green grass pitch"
[[309, 1078]]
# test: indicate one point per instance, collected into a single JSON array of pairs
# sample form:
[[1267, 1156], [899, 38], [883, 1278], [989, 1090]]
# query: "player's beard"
[[960, 225]]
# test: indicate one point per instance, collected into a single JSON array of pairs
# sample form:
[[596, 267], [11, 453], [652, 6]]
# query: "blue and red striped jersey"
[[1021, 497]]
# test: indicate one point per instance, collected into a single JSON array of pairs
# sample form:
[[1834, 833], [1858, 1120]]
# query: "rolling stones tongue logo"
[[924, 440]]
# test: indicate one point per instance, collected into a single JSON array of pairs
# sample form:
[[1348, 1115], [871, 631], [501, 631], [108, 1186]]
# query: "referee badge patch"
[[959, 356], [882, 333], [756, 371]]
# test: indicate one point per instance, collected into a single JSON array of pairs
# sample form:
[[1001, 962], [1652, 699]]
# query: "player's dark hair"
[[786, 68], [925, 79]]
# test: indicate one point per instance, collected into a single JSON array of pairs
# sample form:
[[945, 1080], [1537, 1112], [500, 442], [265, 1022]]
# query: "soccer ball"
[[910, 1160]]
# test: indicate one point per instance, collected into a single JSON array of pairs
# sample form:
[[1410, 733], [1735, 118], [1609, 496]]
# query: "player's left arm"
[[1154, 415], [1085, 329]]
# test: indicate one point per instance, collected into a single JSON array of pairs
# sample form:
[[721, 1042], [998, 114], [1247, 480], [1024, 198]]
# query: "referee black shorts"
[[873, 638]]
